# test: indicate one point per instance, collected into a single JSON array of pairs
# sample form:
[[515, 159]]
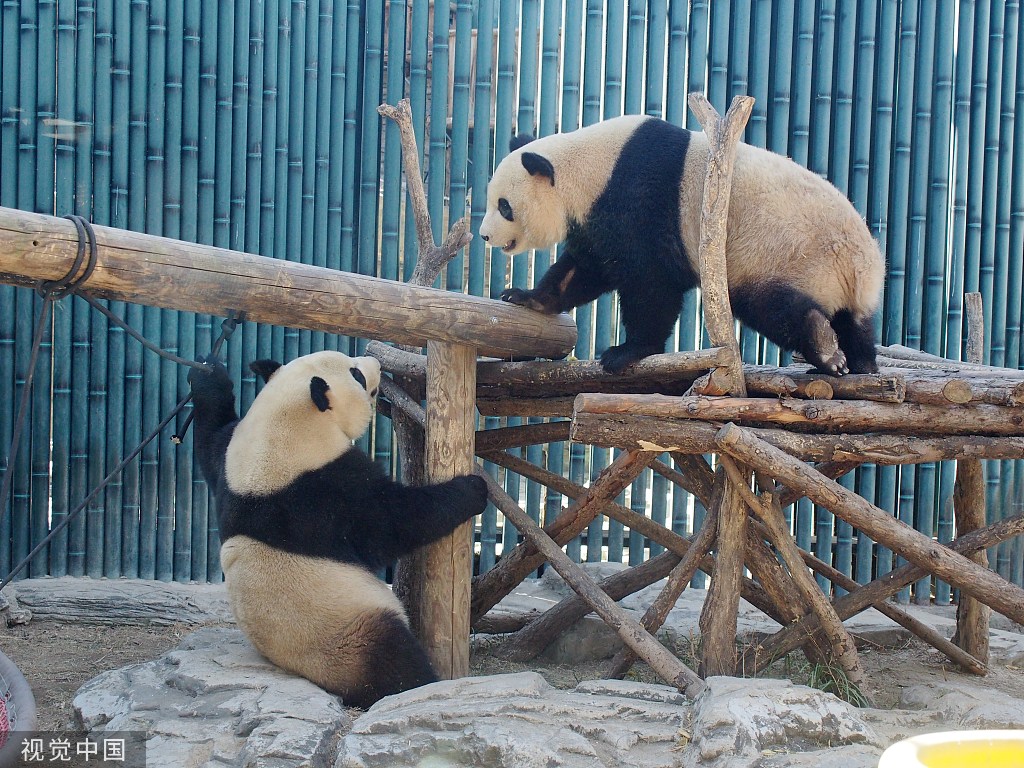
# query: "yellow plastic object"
[[957, 749]]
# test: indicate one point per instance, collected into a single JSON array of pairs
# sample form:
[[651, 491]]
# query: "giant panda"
[[625, 196], [306, 518]]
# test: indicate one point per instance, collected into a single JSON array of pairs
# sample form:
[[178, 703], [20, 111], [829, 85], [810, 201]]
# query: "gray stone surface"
[[214, 701], [519, 721]]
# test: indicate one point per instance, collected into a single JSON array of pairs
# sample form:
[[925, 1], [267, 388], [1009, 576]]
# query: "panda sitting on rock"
[[306, 518], [625, 196]]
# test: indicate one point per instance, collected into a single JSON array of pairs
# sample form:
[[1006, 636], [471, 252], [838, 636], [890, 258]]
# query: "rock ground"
[[208, 699]]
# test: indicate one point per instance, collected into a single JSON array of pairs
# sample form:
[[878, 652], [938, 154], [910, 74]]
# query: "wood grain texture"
[[691, 436], [160, 272], [818, 415], [446, 567]]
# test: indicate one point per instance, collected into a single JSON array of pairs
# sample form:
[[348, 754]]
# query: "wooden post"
[[972, 617], [718, 620], [438, 602]]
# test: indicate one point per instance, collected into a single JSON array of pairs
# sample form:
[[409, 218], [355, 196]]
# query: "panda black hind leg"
[[794, 321], [857, 340], [391, 661]]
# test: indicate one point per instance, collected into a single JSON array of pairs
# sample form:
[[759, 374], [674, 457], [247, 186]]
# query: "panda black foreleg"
[[213, 403], [648, 318], [422, 515], [567, 284]]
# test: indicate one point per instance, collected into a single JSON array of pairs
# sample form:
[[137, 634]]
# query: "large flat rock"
[[214, 701]]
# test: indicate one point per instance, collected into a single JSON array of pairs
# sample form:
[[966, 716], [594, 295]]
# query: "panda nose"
[[486, 238]]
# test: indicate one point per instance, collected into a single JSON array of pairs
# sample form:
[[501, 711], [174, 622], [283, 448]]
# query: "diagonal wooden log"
[[919, 549], [793, 636], [656, 613], [490, 587], [843, 648], [667, 666]]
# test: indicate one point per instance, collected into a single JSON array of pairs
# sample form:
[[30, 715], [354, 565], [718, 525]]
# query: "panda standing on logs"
[[625, 196], [306, 518]]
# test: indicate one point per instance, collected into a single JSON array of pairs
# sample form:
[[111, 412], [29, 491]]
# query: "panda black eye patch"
[[358, 376], [505, 209]]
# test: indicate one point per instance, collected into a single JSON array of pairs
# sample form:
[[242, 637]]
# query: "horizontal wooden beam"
[[161, 272]]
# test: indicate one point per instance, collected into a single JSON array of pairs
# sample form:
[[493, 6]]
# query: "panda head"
[[308, 414], [526, 207]]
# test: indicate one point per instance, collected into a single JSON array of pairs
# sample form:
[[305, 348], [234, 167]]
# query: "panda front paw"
[[531, 300], [472, 494], [617, 359], [211, 379]]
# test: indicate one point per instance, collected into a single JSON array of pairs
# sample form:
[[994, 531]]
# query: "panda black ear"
[[264, 368], [518, 141], [318, 389], [537, 165]]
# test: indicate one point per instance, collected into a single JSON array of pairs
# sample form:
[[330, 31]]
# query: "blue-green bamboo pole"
[[459, 130], [804, 53], [353, 69], [480, 161], [916, 254], [885, 87], [783, 26], [390, 213], [113, 149], [993, 102], [236, 76], [284, 341], [176, 475], [760, 55], [860, 166], [321, 139], [718, 55], [188, 329], [335, 177], [370, 143], [9, 156], [296, 341], [308, 339], [936, 318], [139, 521], [419, 47], [438, 143]]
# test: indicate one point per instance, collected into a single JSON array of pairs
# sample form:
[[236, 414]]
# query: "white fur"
[[284, 435], [307, 615], [784, 221]]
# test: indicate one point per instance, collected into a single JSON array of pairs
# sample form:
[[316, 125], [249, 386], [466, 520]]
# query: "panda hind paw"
[[833, 366]]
